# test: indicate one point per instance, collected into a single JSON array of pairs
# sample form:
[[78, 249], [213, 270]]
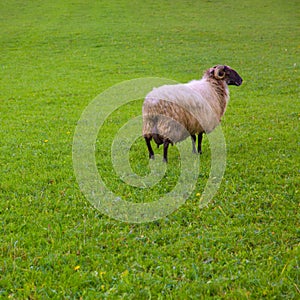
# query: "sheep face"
[[230, 76]]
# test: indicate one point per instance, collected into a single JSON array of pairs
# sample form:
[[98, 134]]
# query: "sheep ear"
[[212, 71]]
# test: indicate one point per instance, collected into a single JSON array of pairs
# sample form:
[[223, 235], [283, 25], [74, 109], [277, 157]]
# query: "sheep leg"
[[150, 150], [193, 136], [166, 145], [200, 136]]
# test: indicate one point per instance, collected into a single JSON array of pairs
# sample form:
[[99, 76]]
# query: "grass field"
[[56, 57]]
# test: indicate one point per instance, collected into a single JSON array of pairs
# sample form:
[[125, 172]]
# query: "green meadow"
[[56, 57]]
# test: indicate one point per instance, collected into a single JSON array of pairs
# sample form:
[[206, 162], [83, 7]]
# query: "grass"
[[58, 56]]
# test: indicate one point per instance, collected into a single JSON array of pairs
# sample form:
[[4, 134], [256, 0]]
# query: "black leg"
[[166, 145], [193, 136], [200, 135], [150, 150]]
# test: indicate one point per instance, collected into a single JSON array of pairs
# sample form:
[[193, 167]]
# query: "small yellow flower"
[[68, 132], [198, 194], [125, 273], [76, 268], [46, 141]]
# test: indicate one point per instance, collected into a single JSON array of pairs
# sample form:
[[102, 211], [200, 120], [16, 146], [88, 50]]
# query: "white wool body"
[[177, 111]]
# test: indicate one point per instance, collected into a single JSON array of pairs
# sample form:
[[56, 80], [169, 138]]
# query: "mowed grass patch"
[[56, 57]]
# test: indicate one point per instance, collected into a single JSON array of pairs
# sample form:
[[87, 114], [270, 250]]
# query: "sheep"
[[171, 113]]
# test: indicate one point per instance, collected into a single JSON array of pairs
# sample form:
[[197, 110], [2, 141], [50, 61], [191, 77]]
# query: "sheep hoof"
[[197, 152]]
